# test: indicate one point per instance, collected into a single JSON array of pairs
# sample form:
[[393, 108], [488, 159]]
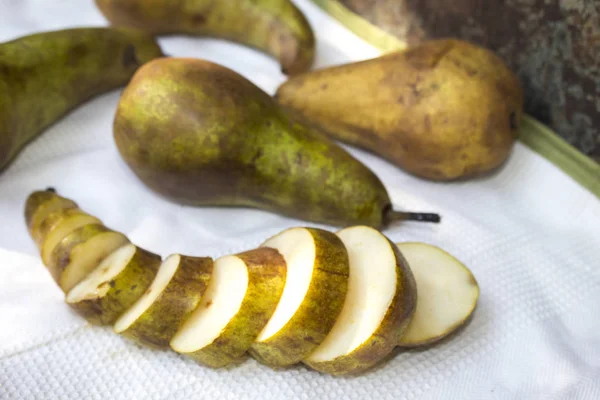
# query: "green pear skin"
[[200, 134], [45, 75], [157, 325], [39, 205], [122, 291], [276, 27], [266, 274]]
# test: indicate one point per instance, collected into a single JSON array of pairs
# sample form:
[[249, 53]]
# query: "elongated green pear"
[[276, 27], [45, 75], [199, 133]]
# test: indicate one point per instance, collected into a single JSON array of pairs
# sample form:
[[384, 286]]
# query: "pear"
[[312, 299], [114, 285], [242, 294], [45, 75], [80, 252], [59, 225], [199, 133], [39, 205], [442, 110], [276, 27], [173, 295], [381, 301], [447, 294]]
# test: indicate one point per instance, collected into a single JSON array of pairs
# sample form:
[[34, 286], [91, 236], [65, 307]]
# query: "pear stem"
[[51, 190], [413, 216]]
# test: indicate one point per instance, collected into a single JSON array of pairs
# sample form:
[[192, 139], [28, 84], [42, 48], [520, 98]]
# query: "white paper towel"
[[530, 234]]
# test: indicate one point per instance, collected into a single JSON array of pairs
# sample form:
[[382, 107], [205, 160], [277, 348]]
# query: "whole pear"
[[45, 75], [276, 27], [442, 110], [199, 133]]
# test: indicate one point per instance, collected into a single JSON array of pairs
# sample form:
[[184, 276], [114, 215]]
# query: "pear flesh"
[[221, 302], [175, 293], [312, 299], [81, 251], [163, 277], [379, 305], [300, 262], [242, 294], [115, 285], [447, 296], [60, 225]]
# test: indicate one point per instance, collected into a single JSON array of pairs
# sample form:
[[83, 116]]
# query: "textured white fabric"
[[530, 234]]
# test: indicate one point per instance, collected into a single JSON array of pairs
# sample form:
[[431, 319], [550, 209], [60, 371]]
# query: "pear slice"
[[242, 294], [115, 285], [379, 306], [447, 295], [57, 226], [39, 205], [312, 299], [174, 294], [80, 252]]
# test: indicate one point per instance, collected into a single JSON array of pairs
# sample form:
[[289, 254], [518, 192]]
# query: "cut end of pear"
[[221, 302], [165, 272], [447, 294], [297, 247], [97, 283]]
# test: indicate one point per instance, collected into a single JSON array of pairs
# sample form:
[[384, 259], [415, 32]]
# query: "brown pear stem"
[[51, 190], [394, 215]]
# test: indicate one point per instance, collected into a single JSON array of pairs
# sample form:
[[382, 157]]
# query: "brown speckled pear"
[[266, 280], [442, 110], [201, 134], [114, 295], [45, 75], [276, 27], [183, 293]]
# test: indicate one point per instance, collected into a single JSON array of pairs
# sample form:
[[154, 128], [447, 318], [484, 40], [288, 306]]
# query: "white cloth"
[[530, 234]]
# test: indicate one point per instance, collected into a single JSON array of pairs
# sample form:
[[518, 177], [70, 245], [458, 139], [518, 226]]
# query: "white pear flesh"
[[312, 299], [447, 294], [298, 248], [378, 307], [96, 284], [62, 229], [86, 256], [165, 272], [221, 302]]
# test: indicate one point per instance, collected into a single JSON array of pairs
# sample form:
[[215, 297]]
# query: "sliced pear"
[[447, 294], [380, 303], [312, 299], [39, 205], [57, 226], [242, 294], [80, 252], [174, 294], [115, 285]]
